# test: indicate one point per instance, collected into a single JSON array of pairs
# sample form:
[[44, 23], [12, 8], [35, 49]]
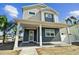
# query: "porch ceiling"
[[31, 23]]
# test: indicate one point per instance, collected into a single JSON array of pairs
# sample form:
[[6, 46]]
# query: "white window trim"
[[50, 31]]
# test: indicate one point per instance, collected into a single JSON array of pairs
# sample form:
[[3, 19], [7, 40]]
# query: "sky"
[[14, 10]]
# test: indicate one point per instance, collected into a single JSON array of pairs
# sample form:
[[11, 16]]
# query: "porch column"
[[40, 31], [17, 36]]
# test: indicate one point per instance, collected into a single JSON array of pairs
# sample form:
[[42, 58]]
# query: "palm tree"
[[3, 25]]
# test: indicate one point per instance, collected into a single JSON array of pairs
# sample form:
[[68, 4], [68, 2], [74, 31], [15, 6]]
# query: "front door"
[[31, 35]]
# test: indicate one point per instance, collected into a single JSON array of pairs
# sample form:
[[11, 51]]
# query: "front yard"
[[7, 49], [9, 52], [66, 50]]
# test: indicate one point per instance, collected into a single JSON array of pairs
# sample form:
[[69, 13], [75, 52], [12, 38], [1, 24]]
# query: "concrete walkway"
[[28, 51], [32, 50]]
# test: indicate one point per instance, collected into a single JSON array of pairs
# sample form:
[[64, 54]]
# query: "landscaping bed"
[[65, 50], [7, 46]]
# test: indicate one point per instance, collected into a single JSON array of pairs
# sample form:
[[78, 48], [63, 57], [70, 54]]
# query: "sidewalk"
[[28, 51]]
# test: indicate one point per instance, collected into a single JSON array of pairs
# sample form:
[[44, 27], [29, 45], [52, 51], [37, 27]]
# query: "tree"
[[3, 25]]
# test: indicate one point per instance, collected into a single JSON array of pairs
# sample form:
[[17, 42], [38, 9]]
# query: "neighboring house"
[[40, 24], [72, 35], [11, 32], [71, 21]]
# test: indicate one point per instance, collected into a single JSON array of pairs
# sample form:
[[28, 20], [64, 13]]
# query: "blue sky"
[[64, 9]]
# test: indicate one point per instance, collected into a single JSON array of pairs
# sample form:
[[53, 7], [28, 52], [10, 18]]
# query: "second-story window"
[[32, 13], [49, 17]]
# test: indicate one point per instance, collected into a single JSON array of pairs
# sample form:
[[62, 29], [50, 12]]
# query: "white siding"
[[73, 37], [56, 18], [42, 16], [75, 32], [27, 16], [39, 14]]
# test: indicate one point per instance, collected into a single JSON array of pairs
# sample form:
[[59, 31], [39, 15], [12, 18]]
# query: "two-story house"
[[40, 24], [71, 21]]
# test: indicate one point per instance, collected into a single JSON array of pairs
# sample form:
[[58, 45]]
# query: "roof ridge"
[[35, 5]]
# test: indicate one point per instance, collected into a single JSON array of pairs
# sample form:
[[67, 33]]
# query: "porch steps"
[[28, 51]]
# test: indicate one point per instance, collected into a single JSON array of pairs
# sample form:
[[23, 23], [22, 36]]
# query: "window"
[[32, 13], [75, 22], [49, 33], [49, 17]]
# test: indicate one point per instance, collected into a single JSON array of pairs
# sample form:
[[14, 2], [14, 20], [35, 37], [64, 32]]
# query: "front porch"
[[32, 44], [35, 26]]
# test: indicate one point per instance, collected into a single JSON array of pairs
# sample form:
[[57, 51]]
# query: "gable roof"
[[34, 6], [45, 7], [71, 17], [50, 9]]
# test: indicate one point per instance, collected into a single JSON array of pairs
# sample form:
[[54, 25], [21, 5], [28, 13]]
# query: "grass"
[[66, 50], [9, 52]]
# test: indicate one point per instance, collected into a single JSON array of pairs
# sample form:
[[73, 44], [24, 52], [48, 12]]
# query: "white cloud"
[[74, 13], [11, 10]]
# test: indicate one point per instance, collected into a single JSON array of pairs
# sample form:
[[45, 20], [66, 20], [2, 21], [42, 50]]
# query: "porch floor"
[[32, 44], [29, 44]]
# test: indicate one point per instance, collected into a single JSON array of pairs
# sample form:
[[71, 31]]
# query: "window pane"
[[49, 17], [49, 33], [33, 13], [46, 15], [52, 34]]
